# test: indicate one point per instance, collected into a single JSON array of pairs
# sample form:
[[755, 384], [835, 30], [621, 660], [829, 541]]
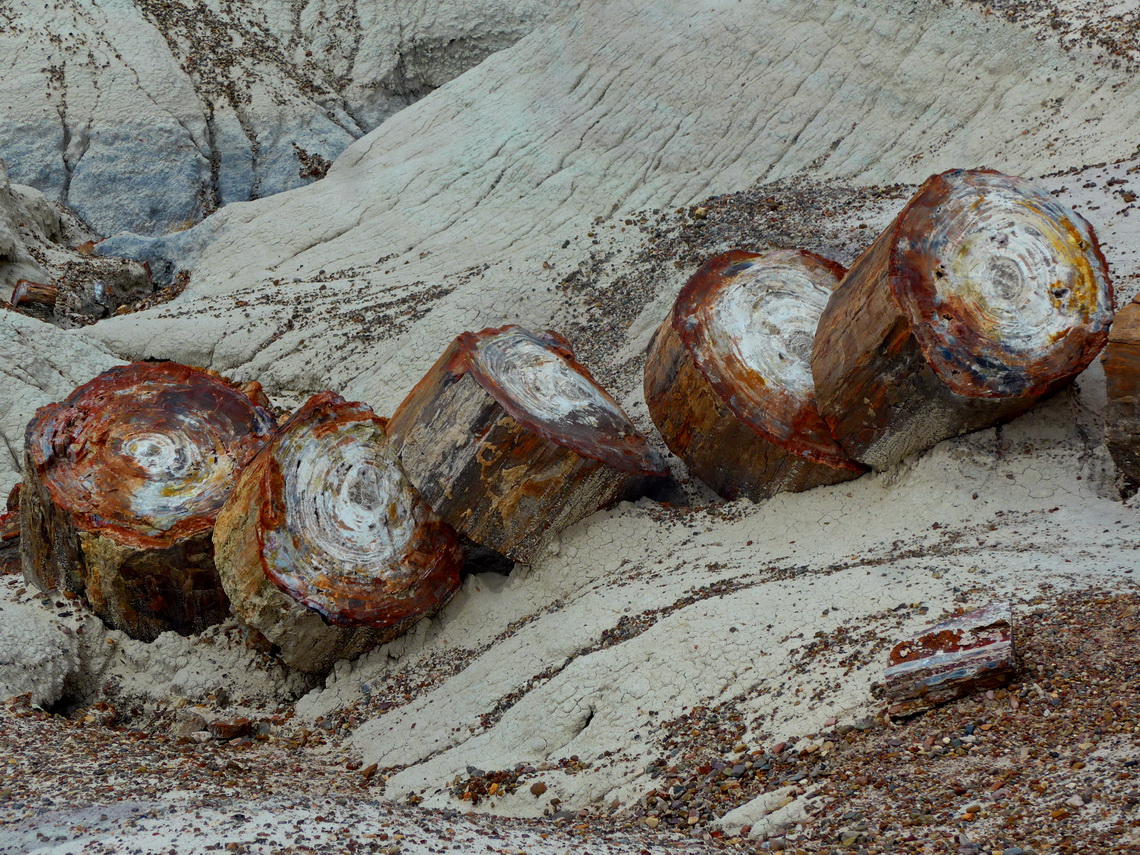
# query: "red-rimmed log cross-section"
[[511, 439], [983, 296], [123, 483], [728, 377]]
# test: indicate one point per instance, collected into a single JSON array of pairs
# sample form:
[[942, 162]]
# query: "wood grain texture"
[[982, 297], [510, 440], [123, 483], [1122, 378], [728, 377]]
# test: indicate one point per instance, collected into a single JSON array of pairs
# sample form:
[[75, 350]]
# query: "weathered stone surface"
[[146, 115], [952, 659], [37, 654]]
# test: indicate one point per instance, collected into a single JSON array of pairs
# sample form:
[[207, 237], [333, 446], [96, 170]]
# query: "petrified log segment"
[[35, 298], [123, 482], [10, 534], [728, 381], [982, 297], [1122, 376], [952, 659], [324, 547], [510, 439]]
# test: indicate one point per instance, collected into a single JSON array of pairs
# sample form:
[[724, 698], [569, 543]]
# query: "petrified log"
[[510, 439], [952, 659], [728, 380], [1122, 377], [35, 298], [982, 297], [324, 547], [123, 482], [10, 534]]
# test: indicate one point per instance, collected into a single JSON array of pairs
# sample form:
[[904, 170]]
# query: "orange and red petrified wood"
[[957, 657], [1122, 377], [324, 547], [728, 379], [123, 482], [983, 296], [510, 439]]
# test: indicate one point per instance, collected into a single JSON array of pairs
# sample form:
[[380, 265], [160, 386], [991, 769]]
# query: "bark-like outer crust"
[[79, 531], [737, 432], [1122, 378], [314, 620], [501, 477], [889, 386]]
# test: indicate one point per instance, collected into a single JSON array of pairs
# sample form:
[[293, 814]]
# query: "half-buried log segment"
[[1122, 376], [982, 297], [728, 380], [123, 482], [324, 547], [510, 439]]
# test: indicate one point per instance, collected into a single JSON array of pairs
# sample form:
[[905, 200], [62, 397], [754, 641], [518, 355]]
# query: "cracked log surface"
[[324, 547], [124, 480], [728, 380], [983, 296], [1122, 378], [511, 440]]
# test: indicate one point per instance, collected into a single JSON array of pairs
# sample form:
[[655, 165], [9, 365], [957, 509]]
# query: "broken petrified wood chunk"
[[1122, 378], [510, 439], [10, 534], [952, 659], [123, 482], [982, 297], [728, 380], [35, 298], [324, 547]]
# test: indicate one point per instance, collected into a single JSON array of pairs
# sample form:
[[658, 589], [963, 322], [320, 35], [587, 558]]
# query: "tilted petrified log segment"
[[35, 299], [1122, 376], [952, 659], [324, 546], [123, 482], [510, 439], [982, 297], [728, 380]]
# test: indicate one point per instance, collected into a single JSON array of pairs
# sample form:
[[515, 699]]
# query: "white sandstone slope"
[[145, 115], [461, 203]]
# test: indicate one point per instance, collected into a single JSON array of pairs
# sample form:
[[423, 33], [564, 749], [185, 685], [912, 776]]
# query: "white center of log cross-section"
[[765, 317], [1011, 259], [182, 472], [542, 382], [348, 511]]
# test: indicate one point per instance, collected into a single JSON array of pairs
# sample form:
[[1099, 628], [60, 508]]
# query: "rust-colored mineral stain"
[[1006, 289], [537, 380], [146, 454], [748, 320], [340, 530]]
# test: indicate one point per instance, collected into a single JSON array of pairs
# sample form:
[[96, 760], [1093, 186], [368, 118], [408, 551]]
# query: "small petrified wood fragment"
[[10, 534], [510, 439], [728, 380], [35, 299], [982, 297], [1122, 377], [123, 482], [952, 659], [324, 547]]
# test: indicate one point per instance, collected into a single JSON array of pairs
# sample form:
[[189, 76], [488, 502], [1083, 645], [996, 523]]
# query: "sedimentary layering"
[[147, 115], [1122, 375], [324, 547], [983, 296], [728, 380], [123, 482], [510, 439]]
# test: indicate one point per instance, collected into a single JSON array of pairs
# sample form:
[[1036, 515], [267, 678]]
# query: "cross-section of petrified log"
[[982, 297], [123, 482], [510, 439], [952, 659], [728, 380], [324, 546], [1122, 376]]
